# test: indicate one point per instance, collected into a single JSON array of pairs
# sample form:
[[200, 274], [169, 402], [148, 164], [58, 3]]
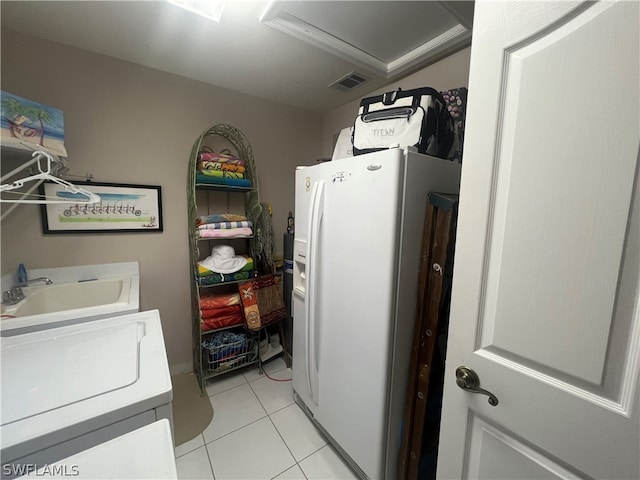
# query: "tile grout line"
[[239, 372], [278, 431], [267, 414], [233, 431], [274, 425], [213, 473], [227, 389], [287, 469], [282, 408], [313, 453], [183, 454], [295, 460], [255, 393]]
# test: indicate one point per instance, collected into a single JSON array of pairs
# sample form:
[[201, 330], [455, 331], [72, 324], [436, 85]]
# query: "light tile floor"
[[258, 432]]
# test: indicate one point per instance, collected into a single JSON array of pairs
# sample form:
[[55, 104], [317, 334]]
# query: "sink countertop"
[[75, 273], [70, 275]]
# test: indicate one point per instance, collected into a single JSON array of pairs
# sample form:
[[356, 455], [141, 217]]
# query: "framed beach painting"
[[29, 125], [122, 208]]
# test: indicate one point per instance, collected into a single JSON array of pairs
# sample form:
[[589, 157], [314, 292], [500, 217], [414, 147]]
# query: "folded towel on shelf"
[[224, 232], [204, 270], [221, 158], [220, 173], [225, 225], [225, 167], [221, 321], [217, 300], [221, 311], [220, 217], [218, 278], [228, 182]]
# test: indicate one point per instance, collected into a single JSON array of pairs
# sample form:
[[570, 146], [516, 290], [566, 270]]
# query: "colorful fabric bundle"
[[221, 174], [225, 225], [220, 217], [221, 169], [220, 310], [221, 158], [207, 313], [262, 301], [211, 300], [229, 182], [221, 321], [225, 167], [225, 233], [223, 278], [217, 225], [221, 317]]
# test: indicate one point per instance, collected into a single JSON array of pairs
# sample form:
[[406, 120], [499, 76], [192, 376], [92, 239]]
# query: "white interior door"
[[545, 303]]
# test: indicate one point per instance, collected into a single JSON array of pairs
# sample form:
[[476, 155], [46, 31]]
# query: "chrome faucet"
[[15, 293]]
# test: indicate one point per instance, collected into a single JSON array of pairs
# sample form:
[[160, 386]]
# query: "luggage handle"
[[388, 114], [389, 98]]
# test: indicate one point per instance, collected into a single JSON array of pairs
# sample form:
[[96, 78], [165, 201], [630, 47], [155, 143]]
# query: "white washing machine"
[[145, 453], [70, 388]]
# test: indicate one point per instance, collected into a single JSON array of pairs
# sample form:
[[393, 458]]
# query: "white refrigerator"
[[357, 252]]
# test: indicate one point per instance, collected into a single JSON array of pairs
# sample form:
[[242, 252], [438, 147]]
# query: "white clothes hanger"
[[48, 168]]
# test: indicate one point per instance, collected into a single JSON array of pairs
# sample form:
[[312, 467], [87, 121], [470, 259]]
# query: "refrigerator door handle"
[[315, 217]]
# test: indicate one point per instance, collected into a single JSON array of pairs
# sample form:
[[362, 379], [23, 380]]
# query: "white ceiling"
[[289, 52]]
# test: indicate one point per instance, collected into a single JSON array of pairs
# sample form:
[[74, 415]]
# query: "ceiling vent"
[[349, 81]]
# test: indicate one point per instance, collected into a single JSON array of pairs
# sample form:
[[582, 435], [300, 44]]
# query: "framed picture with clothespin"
[[120, 208]]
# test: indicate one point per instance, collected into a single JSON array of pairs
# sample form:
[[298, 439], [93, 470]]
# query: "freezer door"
[[354, 294]]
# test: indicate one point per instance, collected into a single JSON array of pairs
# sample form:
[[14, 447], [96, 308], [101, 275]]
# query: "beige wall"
[[130, 124], [450, 72]]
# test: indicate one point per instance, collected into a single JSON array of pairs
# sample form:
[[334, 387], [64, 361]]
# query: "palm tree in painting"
[[16, 113], [43, 116], [13, 113]]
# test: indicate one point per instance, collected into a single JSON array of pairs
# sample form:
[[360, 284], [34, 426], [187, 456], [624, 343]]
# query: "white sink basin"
[[68, 301], [71, 296]]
